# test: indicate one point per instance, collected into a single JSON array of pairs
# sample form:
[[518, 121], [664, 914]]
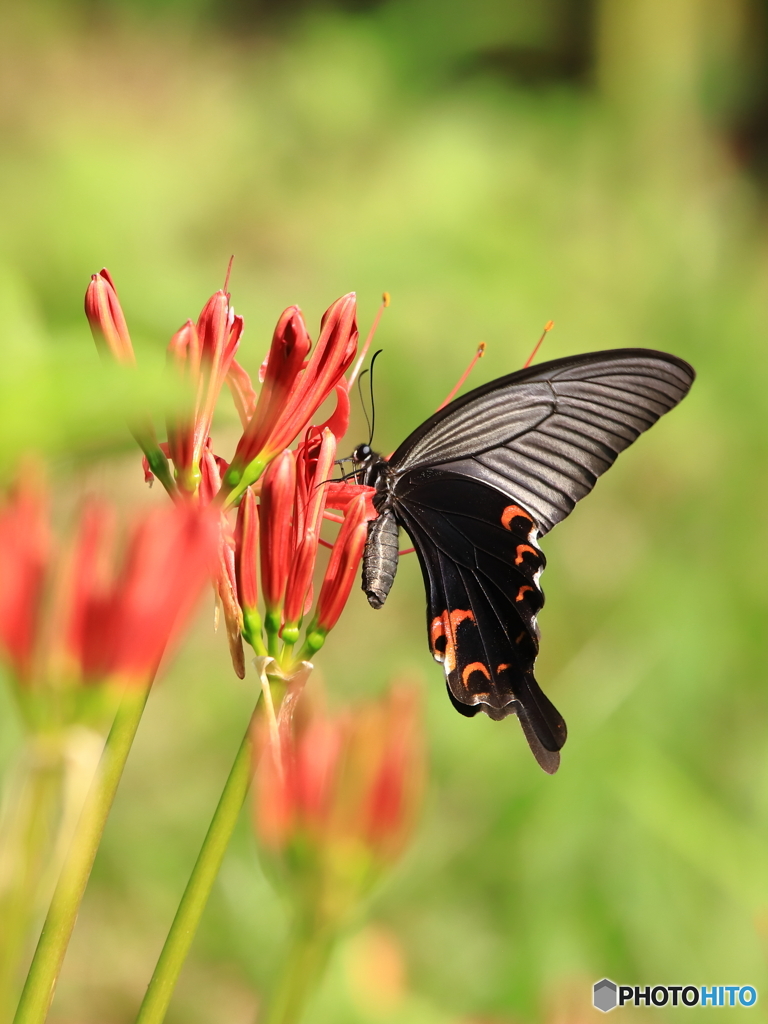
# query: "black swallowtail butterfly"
[[477, 485]]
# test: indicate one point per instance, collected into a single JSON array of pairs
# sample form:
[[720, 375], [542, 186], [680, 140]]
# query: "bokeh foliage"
[[492, 165]]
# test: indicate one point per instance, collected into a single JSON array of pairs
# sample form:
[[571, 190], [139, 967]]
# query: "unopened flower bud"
[[246, 566], [105, 315], [341, 572]]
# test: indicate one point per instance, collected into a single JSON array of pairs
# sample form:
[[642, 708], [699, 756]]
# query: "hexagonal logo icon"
[[604, 995]]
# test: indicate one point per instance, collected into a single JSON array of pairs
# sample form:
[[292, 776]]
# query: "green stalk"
[[160, 990], [309, 951], [46, 964], [28, 839]]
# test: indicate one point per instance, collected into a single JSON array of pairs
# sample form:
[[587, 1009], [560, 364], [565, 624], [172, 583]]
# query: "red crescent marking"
[[510, 513], [446, 625], [476, 666], [520, 549], [521, 593]]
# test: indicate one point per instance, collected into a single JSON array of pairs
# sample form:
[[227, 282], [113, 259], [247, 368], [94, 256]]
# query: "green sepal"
[[237, 479], [189, 480], [232, 477], [252, 630], [290, 634], [313, 641]]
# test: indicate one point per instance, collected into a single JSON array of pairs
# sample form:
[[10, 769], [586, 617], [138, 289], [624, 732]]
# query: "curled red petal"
[[338, 421]]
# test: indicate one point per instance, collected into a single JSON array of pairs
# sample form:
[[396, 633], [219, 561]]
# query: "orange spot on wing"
[[522, 637], [446, 625], [521, 548], [476, 666], [502, 668], [521, 593], [512, 512]]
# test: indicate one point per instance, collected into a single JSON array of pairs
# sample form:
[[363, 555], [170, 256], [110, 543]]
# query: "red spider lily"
[[292, 394], [85, 617], [293, 497], [336, 797]]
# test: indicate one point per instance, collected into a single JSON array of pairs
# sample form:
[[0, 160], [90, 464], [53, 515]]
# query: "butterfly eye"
[[361, 453]]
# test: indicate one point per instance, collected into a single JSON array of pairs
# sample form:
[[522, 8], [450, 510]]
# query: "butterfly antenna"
[[373, 402], [364, 351], [362, 402], [229, 271], [478, 355], [547, 328]]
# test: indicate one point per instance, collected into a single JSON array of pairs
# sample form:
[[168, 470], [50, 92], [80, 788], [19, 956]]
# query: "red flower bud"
[[277, 496], [102, 307], [343, 565], [300, 577], [246, 563]]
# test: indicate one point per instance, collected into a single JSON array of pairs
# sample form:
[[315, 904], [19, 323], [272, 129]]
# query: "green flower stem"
[[28, 840], [272, 624], [195, 898], [62, 913], [308, 953]]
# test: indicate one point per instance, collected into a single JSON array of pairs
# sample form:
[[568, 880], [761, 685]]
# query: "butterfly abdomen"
[[380, 558]]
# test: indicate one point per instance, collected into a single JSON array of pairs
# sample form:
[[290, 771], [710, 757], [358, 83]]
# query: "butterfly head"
[[367, 465]]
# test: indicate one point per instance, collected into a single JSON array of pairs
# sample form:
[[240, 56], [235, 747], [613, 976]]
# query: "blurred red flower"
[[84, 614], [336, 797]]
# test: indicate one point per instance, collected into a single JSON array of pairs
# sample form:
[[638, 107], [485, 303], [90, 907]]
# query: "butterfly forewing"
[[544, 435]]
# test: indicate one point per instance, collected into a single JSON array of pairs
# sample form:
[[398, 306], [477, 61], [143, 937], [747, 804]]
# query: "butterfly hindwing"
[[481, 566]]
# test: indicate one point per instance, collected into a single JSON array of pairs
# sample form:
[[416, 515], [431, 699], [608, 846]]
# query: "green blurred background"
[[492, 164]]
